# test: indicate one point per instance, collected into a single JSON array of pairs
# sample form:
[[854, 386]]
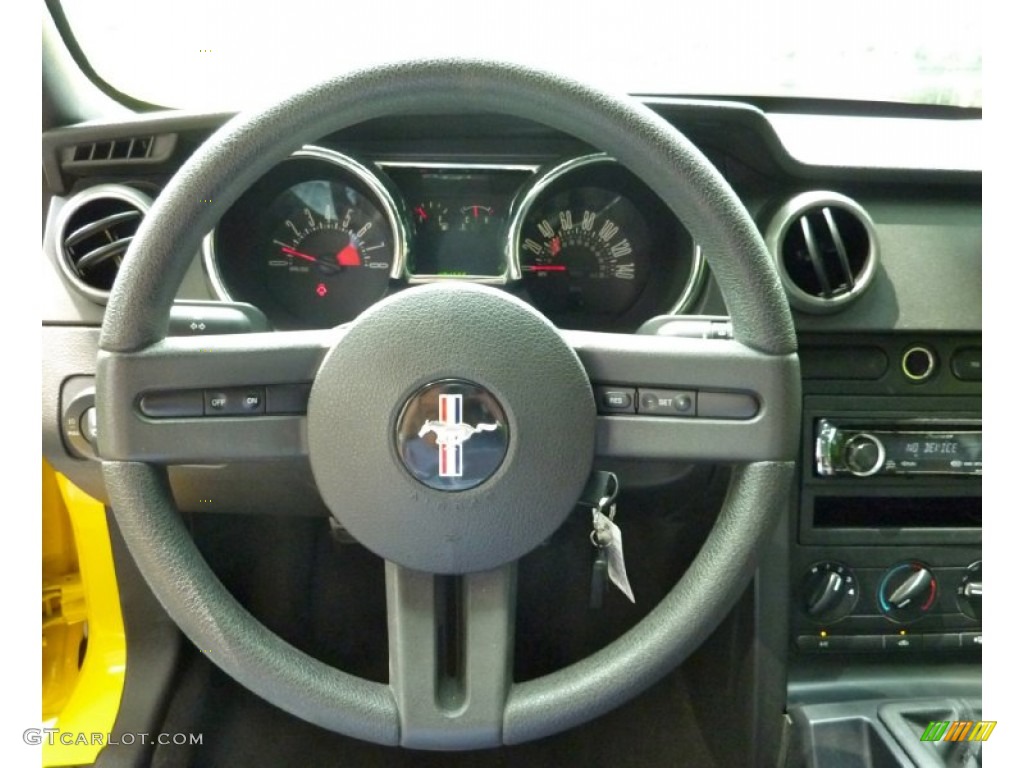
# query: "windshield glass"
[[226, 55]]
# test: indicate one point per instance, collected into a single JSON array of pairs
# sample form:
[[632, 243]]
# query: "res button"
[[616, 400]]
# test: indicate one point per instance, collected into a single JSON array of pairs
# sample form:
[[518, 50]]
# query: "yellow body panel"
[[80, 600]]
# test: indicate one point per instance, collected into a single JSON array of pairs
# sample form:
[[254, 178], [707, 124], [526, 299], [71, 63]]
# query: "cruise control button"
[[239, 401], [667, 402], [253, 401], [684, 403], [615, 400], [215, 402]]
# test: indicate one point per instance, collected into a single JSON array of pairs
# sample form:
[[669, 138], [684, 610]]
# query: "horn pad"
[[451, 428]]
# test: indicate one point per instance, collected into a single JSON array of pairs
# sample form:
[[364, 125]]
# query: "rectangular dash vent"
[[133, 149]]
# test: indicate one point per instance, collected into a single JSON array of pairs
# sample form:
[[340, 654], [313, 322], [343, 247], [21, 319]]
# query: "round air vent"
[[95, 229], [826, 250]]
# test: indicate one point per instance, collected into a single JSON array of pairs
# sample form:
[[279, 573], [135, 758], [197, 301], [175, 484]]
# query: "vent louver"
[[826, 250], [96, 228], [122, 149], [88, 157]]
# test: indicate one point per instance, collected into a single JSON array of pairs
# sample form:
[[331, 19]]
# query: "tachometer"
[[330, 249], [313, 243]]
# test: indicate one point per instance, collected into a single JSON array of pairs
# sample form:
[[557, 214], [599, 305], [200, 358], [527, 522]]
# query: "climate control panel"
[[907, 604]]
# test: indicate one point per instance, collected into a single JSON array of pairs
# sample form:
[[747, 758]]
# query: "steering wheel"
[[379, 381]]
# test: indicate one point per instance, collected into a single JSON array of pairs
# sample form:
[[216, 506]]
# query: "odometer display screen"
[[459, 220]]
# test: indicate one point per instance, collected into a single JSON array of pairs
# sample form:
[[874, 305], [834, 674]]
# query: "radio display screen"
[[932, 452]]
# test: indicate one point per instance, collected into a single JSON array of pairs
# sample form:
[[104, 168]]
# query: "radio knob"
[[864, 454], [829, 592]]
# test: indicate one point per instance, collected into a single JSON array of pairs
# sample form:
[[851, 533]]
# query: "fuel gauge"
[[431, 216]]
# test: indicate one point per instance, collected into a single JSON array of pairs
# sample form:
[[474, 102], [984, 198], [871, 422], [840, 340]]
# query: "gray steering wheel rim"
[[248, 146]]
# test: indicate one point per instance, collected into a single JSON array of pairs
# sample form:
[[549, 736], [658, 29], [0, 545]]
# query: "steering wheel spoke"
[[450, 646], [692, 399], [208, 399]]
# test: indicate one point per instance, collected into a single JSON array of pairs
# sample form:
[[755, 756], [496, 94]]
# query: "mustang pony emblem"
[[450, 433]]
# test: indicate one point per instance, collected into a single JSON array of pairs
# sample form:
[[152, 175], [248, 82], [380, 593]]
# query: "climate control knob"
[[864, 454], [968, 594], [829, 592], [907, 592]]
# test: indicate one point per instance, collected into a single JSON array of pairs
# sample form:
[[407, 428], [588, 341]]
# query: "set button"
[[667, 402]]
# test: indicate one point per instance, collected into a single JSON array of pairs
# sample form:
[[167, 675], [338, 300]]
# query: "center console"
[[886, 564]]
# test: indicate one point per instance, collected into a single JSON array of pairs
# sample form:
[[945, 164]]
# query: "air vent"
[[122, 149], [826, 250], [95, 230], [92, 156]]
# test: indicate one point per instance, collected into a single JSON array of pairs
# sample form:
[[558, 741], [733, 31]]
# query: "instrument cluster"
[[323, 236]]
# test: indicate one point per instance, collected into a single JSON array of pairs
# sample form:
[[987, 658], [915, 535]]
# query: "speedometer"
[[596, 249], [585, 250]]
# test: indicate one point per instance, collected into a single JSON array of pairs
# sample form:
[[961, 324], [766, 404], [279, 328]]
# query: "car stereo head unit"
[[903, 448]]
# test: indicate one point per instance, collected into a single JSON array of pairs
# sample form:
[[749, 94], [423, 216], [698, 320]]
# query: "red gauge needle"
[[348, 256], [546, 268], [293, 252]]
